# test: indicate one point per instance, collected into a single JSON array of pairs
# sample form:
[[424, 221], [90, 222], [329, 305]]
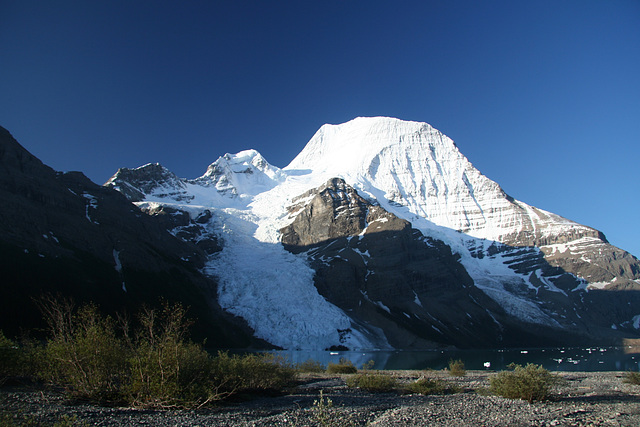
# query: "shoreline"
[[584, 399]]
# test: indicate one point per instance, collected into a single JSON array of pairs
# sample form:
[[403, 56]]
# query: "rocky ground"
[[584, 399]]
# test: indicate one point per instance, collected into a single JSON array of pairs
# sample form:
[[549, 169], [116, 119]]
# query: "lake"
[[554, 359]]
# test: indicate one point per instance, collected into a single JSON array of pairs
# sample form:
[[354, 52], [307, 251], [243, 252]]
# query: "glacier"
[[409, 168]]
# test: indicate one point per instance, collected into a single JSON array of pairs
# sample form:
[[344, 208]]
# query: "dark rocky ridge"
[[599, 262], [595, 260], [135, 184], [61, 233]]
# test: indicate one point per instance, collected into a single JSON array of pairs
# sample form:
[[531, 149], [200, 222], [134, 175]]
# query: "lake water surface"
[[554, 359]]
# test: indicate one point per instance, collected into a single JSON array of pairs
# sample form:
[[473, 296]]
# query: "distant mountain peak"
[[152, 178], [243, 173]]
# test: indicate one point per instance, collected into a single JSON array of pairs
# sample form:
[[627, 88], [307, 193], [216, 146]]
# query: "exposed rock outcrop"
[[152, 178]]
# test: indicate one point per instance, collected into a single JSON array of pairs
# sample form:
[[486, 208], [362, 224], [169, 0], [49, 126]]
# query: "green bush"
[[85, 355], [428, 386], [165, 369], [529, 383], [377, 383], [22, 359], [151, 365], [344, 366], [251, 373], [9, 358], [310, 365], [368, 365], [632, 377], [322, 410], [325, 414], [456, 368]]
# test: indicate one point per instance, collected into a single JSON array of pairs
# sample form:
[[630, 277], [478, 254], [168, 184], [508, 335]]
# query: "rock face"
[[148, 179], [61, 233]]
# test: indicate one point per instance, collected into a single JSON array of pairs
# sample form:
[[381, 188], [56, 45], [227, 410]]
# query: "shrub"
[[368, 365], [153, 365], [456, 368], [84, 355], [251, 373], [529, 383], [9, 358], [344, 366], [377, 383], [632, 377], [311, 365], [325, 414], [165, 368], [428, 386], [321, 410], [23, 359]]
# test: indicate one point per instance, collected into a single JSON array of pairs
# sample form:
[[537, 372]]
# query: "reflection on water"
[[555, 359]]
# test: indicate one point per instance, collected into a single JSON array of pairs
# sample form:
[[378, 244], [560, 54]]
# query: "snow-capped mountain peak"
[[414, 165], [246, 173], [140, 182], [406, 173], [351, 146]]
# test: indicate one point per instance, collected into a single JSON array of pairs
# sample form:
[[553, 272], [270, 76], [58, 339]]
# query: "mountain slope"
[[539, 275], [62, 234]]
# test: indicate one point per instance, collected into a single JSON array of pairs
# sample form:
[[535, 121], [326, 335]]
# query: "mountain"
[[62, 234], [381, 234]]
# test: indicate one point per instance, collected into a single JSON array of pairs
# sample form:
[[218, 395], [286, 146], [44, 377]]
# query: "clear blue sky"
[[542, 96]]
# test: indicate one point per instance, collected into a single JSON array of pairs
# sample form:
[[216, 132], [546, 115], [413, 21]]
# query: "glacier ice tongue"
[[273, 290]]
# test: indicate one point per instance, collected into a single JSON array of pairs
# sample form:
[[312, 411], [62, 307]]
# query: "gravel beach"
[[584, 399]]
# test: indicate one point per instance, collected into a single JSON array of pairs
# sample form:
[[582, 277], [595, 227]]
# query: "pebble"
[[599, 399]]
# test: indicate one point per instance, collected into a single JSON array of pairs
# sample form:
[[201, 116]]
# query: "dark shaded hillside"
[[61, 233]]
